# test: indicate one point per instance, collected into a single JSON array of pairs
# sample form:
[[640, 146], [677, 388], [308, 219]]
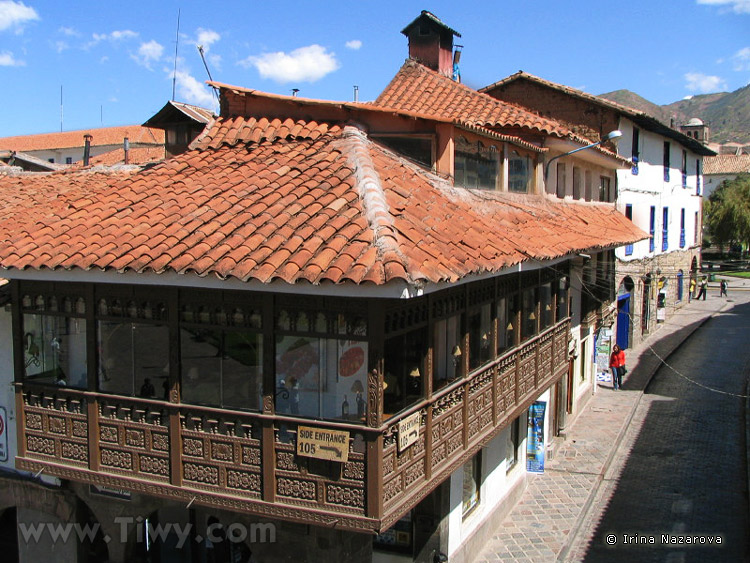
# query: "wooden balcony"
[[248, 462]]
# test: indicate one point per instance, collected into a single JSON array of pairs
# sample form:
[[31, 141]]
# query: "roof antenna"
[[176, 45], [205, 64]]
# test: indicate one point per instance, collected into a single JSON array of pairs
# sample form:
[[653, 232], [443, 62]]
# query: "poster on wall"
[[3, 435], [603, 348], [535, 438]]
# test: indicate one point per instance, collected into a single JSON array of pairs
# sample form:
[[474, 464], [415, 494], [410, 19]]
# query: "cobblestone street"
[[670, 459]]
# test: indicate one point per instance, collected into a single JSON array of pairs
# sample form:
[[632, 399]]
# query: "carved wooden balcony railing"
[[248, 461]]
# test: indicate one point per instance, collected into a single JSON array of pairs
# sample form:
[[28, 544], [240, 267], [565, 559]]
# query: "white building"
[[662, 194]]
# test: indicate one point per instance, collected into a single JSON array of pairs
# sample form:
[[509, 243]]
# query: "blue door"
[[623, 321]]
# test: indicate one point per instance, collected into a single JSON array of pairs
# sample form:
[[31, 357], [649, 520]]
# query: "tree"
[[727, 212]]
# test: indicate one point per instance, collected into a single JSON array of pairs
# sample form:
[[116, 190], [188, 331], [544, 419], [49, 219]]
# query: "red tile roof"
[[137, 134], [304, 201], [726, 164], [420, 89], [137, 155]]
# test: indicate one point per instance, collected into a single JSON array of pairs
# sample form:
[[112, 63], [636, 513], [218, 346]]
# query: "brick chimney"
[[431, 42]]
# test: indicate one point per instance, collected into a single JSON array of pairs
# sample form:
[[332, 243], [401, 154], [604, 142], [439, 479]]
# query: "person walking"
[[617, 364], [691, 293], [702, 288], [723, 287]]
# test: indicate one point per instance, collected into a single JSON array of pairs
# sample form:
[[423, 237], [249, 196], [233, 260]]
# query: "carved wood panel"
[[56, 428]]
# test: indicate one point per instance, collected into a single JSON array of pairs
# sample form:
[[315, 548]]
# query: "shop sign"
[[3, 435], [111, 492], [408, 430], [322, 443], [535, 438]]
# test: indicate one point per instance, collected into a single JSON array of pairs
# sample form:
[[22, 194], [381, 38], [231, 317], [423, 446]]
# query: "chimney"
[[126, 149], [356, 93], [295, 91], [87, 148], [431, 42]]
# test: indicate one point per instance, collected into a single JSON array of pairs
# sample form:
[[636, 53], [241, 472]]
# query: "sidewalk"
[[553, 515]]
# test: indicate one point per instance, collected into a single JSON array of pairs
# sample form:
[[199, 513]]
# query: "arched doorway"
[[646, 305], [680, 289], [624, 324]]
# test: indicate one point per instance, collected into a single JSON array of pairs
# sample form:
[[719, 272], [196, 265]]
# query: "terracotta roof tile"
[[726, 164], [136, 134], [281, 205]]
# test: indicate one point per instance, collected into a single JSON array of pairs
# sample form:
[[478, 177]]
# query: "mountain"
[[726, 113]]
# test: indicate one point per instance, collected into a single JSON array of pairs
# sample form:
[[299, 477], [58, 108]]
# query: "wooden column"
[[174, 398], [374, 478]]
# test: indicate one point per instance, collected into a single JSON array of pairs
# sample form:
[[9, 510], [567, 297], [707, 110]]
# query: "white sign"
[[323, 443], [3, 435], [408, 431]]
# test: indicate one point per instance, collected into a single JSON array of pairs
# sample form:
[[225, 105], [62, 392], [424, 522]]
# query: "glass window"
[[54, 350], [472, 484], [604, 188], [480, 336], [561, 180], [321, 377], [513, 444], [404, 369], [447, 351], [133, 357], [636, 150], [508, 329], [546, 306], [667, 159], [221, 367], [519, 172], [475, 166], [577, 183], [529, 319], [562, 299]]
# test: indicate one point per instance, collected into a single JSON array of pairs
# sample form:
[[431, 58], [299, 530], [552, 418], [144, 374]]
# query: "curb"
[[574, 535]]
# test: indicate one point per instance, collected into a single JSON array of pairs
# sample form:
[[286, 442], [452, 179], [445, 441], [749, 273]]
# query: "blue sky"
[[115, 60]]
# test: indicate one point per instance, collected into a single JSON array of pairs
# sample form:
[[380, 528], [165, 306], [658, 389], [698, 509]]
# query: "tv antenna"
[[176, 45], [205, 65]]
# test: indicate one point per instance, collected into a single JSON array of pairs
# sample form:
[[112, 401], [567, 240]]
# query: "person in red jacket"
[[617, 363]]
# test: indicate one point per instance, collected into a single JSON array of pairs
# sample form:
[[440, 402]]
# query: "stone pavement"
[[553, 517]]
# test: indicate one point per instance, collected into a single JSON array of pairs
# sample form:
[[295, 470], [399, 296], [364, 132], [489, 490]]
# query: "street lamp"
[[616, 134]]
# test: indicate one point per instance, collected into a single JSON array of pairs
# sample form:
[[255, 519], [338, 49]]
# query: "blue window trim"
[[665, 230], [652, 228], [682, 228], [629, 215]]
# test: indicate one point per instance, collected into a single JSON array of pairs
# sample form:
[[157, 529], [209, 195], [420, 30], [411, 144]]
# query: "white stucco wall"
[[648, 188]]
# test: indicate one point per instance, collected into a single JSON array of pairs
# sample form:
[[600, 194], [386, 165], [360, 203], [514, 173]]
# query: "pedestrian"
[[702, 288], [617, 363], [723, 287], [691, 293]]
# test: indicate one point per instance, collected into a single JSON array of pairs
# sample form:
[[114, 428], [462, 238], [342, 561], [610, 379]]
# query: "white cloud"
[[115, 36], [7, 59], [306, 64], [703, 83], [192, 90], [207, 37], [61, 46], [741, 59], [148, 53], [354, 44], [736, 6], [69, 31], [13, 15]]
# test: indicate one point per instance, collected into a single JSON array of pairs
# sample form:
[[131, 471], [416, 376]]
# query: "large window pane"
[[472, 483], [529, 313], [55, 350], [447, 351], [221, 368], [546, 305], [519, 172], [133, 358], [321, 377], [480, 334], [404, 369]]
